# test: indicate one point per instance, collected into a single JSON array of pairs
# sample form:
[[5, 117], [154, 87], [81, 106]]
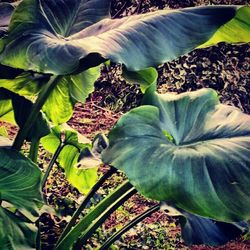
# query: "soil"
[[224, 68]]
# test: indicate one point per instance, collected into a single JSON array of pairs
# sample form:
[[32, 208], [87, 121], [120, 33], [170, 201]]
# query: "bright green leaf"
[[24, 84], [59, 106], [235, 31], [145, 78], [204, 170], [82, 179]]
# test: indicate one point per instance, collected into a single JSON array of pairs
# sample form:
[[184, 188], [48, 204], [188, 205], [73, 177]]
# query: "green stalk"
[[131, 224], [34, 149], [42, 97], [85, 202], [52, 162], [96, 216]]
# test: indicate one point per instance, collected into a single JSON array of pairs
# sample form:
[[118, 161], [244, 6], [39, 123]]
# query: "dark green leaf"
[[38, 40], [19, 180], [203, 169], [6, 10], [22, 108], [198, 230], [15, 232], [6, 109]]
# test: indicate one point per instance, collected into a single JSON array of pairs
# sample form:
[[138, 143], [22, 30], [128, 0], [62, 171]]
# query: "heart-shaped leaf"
[[19, 180], [15, 232], [72, 143], [62, 42], [189, 150]]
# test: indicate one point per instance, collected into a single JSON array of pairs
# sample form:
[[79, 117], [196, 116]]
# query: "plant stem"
[[85, 202], [42, 97], [96, 216], [98, 222], [38, 237], [34, 149], [131, 224], [52, 162]]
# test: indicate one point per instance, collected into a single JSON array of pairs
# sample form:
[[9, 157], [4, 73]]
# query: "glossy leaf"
[[15, 232], [73, 143], [43, 42], [189, 150], [19, 180]]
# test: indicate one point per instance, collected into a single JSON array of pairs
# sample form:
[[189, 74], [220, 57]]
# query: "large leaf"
[[198, 230], [15, 232], [39, 40], [59, 106], [19, 181], [189, 150], [82, 179]]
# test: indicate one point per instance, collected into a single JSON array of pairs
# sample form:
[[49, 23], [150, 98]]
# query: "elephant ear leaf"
[[62, 43], [189, 150], [198, 230]]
